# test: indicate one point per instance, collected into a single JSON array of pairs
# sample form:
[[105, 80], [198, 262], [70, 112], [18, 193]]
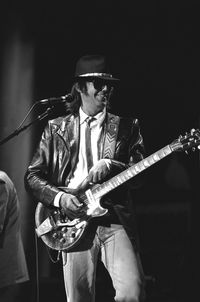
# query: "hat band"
[[96, 74]]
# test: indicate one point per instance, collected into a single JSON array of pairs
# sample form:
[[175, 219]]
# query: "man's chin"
[[103, 104]]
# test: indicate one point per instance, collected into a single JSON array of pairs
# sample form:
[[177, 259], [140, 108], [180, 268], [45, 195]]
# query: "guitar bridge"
[[45, 227]]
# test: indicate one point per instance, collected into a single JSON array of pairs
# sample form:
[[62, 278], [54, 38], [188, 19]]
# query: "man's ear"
[[77, 87]]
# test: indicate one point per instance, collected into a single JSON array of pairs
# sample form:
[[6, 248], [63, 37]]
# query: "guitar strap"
[[112, 127]]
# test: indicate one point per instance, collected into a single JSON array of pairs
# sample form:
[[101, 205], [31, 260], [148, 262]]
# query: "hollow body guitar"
[[60, 233]]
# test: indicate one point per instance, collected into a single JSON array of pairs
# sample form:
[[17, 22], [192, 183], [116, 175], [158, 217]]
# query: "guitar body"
[[59, 237], [59, 232]]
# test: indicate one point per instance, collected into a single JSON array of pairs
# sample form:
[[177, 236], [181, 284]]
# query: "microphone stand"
[[19, 130]]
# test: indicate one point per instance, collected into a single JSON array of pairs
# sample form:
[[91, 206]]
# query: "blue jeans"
[[119, 258]]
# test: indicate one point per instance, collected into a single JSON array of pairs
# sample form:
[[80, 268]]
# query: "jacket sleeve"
[[37, 175]]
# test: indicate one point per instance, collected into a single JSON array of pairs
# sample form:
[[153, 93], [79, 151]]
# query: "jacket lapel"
[[73, 130], [69, 132]]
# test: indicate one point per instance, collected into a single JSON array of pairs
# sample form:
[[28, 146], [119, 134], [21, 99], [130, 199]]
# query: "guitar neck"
[[129, 173]]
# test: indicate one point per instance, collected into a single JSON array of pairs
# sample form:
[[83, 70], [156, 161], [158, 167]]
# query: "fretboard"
[[129, 173]]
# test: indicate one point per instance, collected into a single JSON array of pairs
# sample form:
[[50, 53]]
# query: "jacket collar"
[[99, 117]]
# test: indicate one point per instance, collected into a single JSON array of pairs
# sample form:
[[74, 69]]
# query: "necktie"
[[88, 143]]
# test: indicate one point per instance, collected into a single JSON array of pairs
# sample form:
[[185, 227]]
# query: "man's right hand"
[[71, 206]]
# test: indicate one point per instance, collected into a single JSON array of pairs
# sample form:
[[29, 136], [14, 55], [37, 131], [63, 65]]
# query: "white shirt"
[[81, 172]]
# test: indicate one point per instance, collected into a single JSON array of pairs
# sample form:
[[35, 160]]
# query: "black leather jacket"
[[55, 158]]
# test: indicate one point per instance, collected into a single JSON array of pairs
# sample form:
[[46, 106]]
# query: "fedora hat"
[[93, 66]]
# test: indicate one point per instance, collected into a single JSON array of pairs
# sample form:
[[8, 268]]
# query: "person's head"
[[93, 84]]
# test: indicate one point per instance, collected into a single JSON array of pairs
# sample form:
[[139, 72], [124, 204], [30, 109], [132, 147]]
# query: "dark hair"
[[75, 104]]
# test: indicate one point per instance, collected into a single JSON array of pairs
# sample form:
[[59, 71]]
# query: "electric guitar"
[[60, 233]]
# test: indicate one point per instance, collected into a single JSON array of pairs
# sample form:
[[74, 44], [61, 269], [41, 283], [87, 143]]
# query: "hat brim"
[[108, 78], [98, 77]]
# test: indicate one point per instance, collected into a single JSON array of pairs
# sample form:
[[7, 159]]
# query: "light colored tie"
[[88, 145]]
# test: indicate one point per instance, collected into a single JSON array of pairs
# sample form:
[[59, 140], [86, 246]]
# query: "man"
[[13, 268], [63, 159]]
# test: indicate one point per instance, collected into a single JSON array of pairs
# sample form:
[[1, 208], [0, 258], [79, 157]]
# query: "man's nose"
[[105, 87]]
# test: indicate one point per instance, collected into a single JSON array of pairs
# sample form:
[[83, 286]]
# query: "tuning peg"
[[198, 147], [186, 152]]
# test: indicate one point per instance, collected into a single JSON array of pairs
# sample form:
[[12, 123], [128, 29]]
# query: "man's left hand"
[[99, 171]]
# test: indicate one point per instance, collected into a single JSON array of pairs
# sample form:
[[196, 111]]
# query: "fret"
[[130, 173], [133, 170], [137, 168], [141, 165], [117, 181], [124, 177], [113, 183], [150, 160], [146, 163]]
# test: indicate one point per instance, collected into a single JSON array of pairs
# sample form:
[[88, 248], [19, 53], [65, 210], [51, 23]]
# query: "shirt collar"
[[99, 116]]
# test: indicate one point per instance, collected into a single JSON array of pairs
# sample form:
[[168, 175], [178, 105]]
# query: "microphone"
[[56, 100]]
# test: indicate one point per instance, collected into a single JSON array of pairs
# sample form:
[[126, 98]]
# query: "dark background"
[[153, 47]]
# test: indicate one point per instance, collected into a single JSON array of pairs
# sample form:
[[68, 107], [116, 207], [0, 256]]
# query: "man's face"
[[97, 95]]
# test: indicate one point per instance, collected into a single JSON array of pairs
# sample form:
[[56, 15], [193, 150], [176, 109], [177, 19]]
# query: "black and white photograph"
[[99, 151]]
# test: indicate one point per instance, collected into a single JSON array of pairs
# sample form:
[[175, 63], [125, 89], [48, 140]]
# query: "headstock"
[[190, 140]]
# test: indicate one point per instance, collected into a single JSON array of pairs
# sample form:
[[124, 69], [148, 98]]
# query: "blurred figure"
[[13, 267]]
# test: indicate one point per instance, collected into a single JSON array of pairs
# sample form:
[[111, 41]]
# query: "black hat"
[[93, 66]]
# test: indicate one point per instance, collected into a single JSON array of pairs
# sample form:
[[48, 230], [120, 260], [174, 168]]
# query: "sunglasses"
[[100, 83]]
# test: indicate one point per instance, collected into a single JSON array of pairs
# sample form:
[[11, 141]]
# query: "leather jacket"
[[56, 155]]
